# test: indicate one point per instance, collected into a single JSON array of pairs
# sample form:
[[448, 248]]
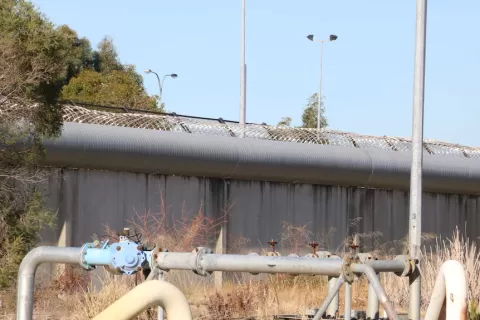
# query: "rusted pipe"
[[451, 284], [148, 294]]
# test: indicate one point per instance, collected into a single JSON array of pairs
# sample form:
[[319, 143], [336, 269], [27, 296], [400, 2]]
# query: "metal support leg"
[[160, 312], [331, 294], [348, 301], [332, 307], [372, 310]]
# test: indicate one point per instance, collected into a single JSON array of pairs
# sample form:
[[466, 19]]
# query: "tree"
[[103, 80], [33, 64], [105, 59], [285, 122], [309, 116], [115, 88]]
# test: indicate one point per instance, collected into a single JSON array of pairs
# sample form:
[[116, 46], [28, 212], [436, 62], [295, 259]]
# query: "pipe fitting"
[[410, 265], [200, 270], [148, 294]]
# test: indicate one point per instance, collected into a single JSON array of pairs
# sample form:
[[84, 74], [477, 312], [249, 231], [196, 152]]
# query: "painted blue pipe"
[[98, 257]]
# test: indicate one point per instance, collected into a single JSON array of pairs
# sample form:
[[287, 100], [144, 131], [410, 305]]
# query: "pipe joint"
[[410, 265], [347, 263], [200, 269]]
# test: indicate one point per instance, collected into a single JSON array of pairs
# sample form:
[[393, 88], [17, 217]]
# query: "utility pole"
[[415, 217]]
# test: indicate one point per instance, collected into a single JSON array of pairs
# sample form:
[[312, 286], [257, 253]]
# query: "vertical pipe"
[[415, 224], [348, 301], [331, 294], [160, 311], [333, 307], [372, 310], [26, 274], [243, 75]]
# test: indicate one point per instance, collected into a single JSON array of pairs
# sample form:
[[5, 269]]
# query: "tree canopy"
[[309, 115]]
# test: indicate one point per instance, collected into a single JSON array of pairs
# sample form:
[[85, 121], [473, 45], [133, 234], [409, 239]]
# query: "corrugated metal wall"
[[89, 200]]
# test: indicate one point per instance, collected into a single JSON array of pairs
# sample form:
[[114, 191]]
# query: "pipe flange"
[[410, 265], [83, 261], [201, 251], [347, 272]]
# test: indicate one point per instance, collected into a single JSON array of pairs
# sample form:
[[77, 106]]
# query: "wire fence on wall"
[[125, 117]]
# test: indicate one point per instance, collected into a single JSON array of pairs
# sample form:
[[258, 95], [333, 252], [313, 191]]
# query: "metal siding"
[[89, 200]]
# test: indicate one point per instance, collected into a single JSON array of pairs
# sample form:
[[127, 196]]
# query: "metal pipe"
[[319, 98], [415, 225], [98, 257], [243, 94], [333, 306], [160, 311], [331, 294], [348, 301], [26, 274], [148, 294], [372, 309], [248, 263], [369, 272], [451, 285]]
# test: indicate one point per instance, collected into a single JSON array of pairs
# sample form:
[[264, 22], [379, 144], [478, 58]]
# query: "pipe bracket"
[[410, 265], [347, 272]]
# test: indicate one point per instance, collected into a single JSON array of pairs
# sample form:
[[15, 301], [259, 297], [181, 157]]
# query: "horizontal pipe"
[[395, 265], [258, 264], [148, 294], [28, 267], [114, 148], [98, 257], [451, 285], [248, 263]]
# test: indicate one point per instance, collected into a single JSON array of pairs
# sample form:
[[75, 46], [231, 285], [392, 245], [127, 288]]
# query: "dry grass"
[[247, 296]]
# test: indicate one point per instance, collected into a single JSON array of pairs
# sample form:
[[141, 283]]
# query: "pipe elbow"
[[148, 294], [450, 288]]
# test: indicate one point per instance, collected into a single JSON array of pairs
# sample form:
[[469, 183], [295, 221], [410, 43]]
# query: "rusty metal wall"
[[88, 200]]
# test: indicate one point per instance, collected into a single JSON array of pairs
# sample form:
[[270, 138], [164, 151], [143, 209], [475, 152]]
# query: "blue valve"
[[125, 256]]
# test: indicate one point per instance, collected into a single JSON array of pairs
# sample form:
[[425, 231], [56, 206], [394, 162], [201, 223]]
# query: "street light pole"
[[319, 98], [243, 71], [415, 218], [160, 83]]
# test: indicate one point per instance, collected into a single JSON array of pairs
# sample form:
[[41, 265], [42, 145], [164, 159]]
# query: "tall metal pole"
[[415, 224], [243, 75], [319, 109]]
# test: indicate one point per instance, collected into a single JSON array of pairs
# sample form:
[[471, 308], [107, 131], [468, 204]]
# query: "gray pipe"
[[103, 147], [26, 274], [369, 272], [348, 301], [372, 309], [333, 306], [248, 263]]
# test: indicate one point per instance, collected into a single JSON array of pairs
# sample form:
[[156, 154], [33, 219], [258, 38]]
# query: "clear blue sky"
[[368, 72]]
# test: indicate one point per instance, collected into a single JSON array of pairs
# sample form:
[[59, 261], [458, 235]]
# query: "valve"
[[273, 253], [125, 256]]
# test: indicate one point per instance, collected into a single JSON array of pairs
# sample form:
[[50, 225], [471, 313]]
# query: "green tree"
[[33, 65], [310, 112], [309, 115], [285, 122], [115, 88], [105, 58]]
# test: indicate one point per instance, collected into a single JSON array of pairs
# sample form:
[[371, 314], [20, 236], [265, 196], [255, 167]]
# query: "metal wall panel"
[[89, 200]]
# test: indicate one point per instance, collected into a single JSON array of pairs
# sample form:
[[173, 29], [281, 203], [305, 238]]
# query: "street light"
[[160, 83], [331, 38]]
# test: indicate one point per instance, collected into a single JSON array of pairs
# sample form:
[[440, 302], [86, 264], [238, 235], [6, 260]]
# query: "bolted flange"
[[201, 252]]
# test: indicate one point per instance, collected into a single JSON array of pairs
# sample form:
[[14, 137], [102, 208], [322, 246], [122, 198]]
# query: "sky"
[[367, 72]]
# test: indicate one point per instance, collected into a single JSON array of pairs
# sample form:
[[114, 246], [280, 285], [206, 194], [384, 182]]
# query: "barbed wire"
[[218, 127]]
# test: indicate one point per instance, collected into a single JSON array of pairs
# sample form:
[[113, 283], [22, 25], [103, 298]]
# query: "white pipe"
[[451, 284], [26, 274], [148, 294]]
